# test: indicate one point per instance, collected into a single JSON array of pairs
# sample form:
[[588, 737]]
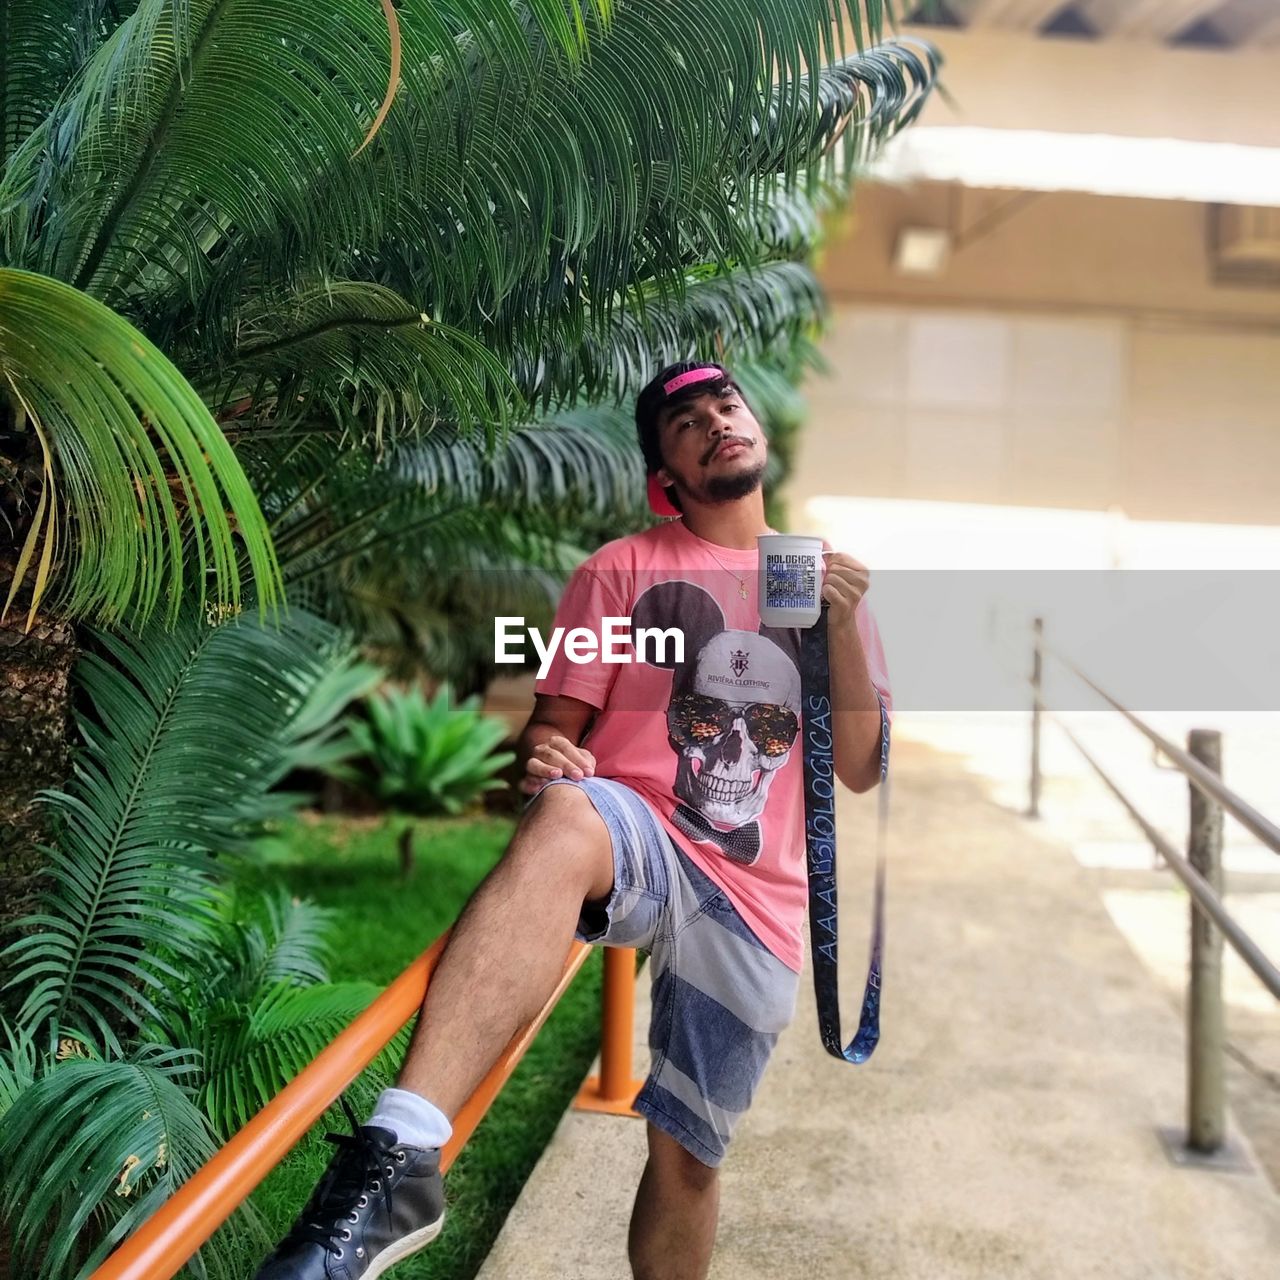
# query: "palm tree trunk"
[[35, 670]]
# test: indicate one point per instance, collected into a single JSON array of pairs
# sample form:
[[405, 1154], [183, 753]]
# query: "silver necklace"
[[742, 584]]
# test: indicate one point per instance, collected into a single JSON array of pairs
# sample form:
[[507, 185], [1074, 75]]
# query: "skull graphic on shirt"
[[733, 724]]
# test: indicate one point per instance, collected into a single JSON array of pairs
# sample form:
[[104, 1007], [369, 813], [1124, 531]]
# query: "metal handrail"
[[1201, 875], [1208, 782], [159, 1248], [1246, 948]]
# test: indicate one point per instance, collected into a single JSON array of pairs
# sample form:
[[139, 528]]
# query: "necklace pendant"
[[742, 589]]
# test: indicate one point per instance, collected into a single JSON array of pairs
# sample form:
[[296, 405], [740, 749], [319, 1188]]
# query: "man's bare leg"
[[507, 951], [673, 1224]]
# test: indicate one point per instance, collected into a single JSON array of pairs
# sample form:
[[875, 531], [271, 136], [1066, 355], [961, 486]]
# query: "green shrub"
[[157, 1006], [426, 757]]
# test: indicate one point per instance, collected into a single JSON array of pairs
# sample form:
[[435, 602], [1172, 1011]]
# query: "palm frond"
[[295, 937], [18, 1065], [429, 609], [266, 937], [527, 190], [313, 739], [415, 556], [252, 1052], [98, 1141], [182, 735], [44, 43], [337, 509], [200, 121], [751, 312], [862, 100], [134, 464], [568, 462], [366, 359], [199, 177], [571, 464], [642, 165], [461, 561], [309, 735]]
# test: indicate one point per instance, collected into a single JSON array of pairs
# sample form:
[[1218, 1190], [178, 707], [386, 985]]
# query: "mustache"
[[721, 442]]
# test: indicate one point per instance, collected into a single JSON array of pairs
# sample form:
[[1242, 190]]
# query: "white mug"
[[790, 579]]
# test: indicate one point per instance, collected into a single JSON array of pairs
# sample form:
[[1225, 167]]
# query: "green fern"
[[18, 1066], [125, 1131], [252, 1051], [182, 736], [121, 1076], [94, 1148], [265, 937]]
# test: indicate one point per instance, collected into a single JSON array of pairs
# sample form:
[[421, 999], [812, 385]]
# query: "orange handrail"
[[167, 1240]]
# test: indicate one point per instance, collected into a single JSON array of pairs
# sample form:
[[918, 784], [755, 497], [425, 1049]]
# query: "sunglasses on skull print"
[[694, 719]]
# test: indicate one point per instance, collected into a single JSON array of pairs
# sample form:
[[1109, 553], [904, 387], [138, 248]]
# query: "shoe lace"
[[361, 1158]]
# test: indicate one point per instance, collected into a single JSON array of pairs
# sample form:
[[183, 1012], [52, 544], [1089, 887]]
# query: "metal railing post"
[[1205, 1035], [614, 1089], [1033, 809]]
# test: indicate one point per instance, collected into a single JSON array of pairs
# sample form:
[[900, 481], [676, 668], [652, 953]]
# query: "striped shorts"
[[720, 997]]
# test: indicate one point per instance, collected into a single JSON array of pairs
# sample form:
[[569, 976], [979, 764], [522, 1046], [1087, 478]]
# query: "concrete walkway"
[[1008, 1124]]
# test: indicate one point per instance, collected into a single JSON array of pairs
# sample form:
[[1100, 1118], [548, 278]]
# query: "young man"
[[668, 816]]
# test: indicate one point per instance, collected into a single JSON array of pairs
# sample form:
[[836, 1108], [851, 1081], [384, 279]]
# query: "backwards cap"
[[676, 383]]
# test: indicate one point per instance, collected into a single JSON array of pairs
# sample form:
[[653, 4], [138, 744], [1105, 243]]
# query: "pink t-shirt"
[[711, 741]]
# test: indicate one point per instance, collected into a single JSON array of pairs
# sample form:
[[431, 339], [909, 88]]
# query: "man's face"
[[713, 449]]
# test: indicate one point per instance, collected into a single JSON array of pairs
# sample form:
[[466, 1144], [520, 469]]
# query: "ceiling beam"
[[1146, 19], [1249, 22], [1011, 15]]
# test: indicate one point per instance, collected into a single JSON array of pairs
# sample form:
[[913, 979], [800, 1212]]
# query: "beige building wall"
[[1076, 353]]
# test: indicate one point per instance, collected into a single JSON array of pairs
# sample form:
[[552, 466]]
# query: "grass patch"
[[382, 922]]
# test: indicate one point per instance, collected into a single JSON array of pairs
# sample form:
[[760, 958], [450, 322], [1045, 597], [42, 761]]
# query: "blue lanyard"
[[820, 785]]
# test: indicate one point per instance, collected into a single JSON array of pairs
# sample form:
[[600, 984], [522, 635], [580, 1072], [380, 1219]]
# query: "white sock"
[[416, 1122]]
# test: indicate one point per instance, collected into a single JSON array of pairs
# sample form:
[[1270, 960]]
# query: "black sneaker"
[[378, 1201]]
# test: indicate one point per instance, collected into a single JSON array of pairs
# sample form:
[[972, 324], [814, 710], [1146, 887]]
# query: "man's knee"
[[565, 816], [567, 809], [677, 1166]]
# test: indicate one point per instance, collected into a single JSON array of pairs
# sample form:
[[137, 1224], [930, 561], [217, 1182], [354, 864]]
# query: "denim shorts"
[[720, 997]]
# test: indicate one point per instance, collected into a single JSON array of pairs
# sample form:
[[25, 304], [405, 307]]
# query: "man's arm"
[[854, 700], [856, 709], [548, 745]]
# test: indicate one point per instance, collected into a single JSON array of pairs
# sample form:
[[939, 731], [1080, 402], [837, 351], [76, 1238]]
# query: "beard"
[[730, 488]]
